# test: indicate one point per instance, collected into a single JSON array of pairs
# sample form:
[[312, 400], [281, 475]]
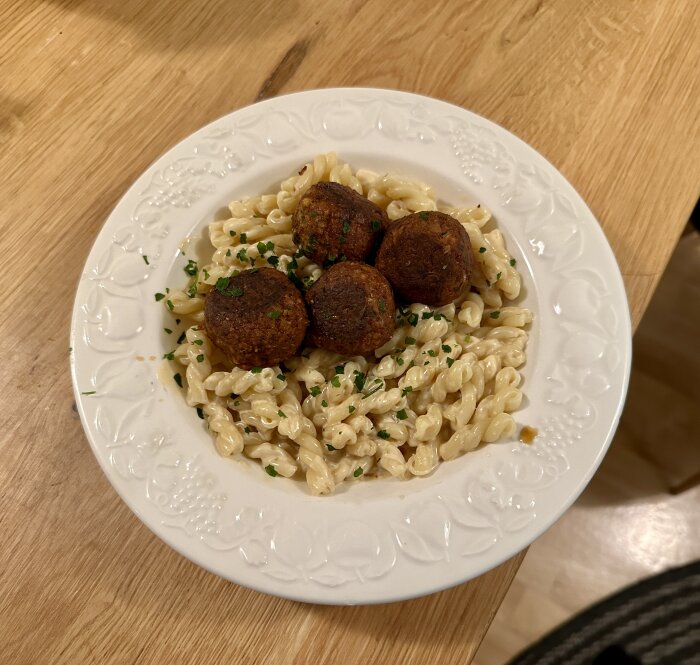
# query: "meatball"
[[427, 258], [352, 309], [257, 318], [333, 222]]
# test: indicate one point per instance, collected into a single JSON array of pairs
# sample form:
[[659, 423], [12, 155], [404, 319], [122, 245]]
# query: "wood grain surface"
[[93, 91]]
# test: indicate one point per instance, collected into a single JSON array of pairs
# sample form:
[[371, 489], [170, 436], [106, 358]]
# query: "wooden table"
[[92, 91]]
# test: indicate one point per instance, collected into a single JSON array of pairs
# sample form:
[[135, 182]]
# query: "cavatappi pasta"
[[445, 382]]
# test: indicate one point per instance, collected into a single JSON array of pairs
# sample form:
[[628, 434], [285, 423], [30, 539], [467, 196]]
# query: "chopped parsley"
[[351, 409], [468, 339], [402, 415], [382, 304], [324, 403], [223, 286], [512, 262], [181, 338], [281, 377], [399, 361], [256, 370], [427, 315], [198, 342], [200, 358], [412, 318], [431, 353], [274, 314], [232, 233], [178, 379], [177, 321], [330, 447], [359, 380], [423, 215], [450, 361], [339, 369], [383, 434], [159, 296], [191, 268], [495, 315], [409, 341], [281, 413], [244, 237], [498, 275], [358, 472], [242, 255], [246, 429], [376, 225], [145, 258], [482, 250], [89, 392], [170, 305], [262, 248], [315, 391], [446, 348], [200, 413], [335, 381], [273, 260], [294, 279], [270, 470], [228, 252], [169, 356], [406, 390], [167, 330]]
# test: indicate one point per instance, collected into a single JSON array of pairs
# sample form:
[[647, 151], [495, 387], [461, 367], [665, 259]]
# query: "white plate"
[[380, 540]]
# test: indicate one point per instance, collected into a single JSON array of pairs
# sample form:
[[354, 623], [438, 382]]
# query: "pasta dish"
[[444, 379]]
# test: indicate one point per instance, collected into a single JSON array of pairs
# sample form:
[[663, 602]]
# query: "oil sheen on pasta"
[[447, 380]]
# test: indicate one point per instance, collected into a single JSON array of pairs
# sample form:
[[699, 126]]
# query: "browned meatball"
[[333, 222], [257, 318], [427, 258], [352, 309]]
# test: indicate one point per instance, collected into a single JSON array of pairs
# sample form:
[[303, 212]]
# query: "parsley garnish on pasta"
[[446, 382]]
